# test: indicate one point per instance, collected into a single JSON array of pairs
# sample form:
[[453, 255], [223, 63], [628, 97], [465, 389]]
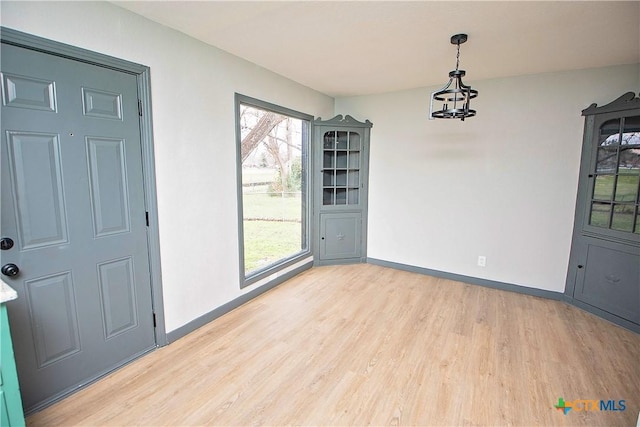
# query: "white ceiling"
[[344, 48]]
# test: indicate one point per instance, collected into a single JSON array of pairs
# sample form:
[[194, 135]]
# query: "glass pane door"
[[615, 197], [341, 168]]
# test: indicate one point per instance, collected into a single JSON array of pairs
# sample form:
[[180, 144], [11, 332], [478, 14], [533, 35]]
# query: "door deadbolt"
[[6, 243]]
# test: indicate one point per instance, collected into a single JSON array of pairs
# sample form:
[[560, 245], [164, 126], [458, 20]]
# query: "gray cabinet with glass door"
[[341, 148], [604, 266]]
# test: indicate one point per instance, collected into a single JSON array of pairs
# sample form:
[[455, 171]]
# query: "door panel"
[[612, 279], [101, 104], [118, 296], [73, 201], [26, 92], [36, 172], [340, 236], [52, 307], [108, 186]]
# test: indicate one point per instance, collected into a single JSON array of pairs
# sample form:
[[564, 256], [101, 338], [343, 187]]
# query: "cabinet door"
[[610, 279], [613, 202], [342, 158], [340, 236]]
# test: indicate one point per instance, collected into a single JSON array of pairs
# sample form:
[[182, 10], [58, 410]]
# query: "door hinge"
[[139, 107], [146, 215], [154, 320]]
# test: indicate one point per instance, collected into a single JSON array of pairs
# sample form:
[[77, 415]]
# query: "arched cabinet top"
[[628, 101], [339, 120]]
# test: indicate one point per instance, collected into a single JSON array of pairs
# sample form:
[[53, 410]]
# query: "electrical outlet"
[[482, 261]]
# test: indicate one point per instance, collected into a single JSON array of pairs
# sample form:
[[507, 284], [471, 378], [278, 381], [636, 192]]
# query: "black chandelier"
[[454, 97]]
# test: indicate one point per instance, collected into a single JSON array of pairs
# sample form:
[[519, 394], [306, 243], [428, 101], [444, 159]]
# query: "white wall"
[[193, 87], [502, 184]]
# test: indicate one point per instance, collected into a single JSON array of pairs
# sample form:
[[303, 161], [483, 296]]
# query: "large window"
[[273, 147]]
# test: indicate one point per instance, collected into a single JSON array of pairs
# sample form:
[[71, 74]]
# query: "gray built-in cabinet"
[[341, 151], [604, 266]]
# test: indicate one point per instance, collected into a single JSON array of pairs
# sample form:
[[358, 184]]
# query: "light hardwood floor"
[[367, 345]]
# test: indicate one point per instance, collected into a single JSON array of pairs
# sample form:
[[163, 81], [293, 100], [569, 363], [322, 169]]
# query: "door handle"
[[10, 270], [612, 279]]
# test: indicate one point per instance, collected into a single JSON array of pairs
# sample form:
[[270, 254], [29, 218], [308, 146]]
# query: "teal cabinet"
[[10, 403]]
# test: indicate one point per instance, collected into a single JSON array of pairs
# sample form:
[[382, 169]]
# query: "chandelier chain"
[[458, 56]]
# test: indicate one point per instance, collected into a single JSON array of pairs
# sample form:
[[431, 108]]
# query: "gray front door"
[[73, 204]]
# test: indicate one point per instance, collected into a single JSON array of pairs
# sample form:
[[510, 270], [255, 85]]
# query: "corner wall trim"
[[176, 334], [542, 293]]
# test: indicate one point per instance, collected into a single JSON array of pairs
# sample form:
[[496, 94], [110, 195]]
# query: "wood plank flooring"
[[368, 345]]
